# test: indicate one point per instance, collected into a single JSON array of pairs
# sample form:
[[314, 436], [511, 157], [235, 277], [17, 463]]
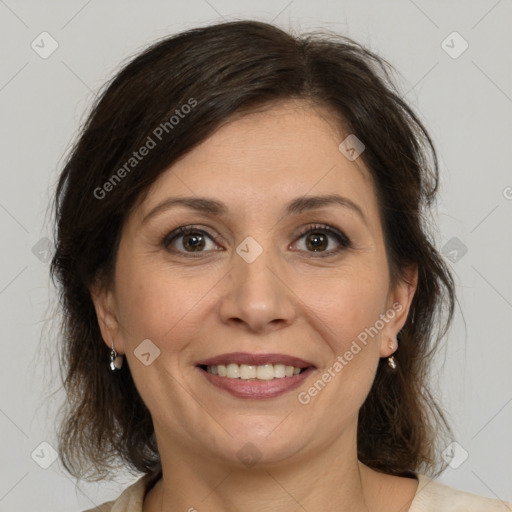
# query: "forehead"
[[267, 158]]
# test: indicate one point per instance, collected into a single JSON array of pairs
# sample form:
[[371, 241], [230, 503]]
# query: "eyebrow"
[[216, 208]]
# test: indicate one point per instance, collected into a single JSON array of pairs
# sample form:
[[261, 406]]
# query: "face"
[[282, 264]]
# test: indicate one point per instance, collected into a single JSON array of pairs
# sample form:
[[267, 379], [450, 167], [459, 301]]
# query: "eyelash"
[[341, 238]]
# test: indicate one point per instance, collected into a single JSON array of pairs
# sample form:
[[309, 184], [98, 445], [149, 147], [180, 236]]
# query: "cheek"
[[155, 303], [345, 313], [345, 304]]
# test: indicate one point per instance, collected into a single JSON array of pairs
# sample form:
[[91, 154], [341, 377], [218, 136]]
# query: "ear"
[[398, 306], [104, 304]]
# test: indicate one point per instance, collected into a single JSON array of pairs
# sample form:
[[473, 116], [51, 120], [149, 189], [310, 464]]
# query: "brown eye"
[[193, 242], [317, 241], [324, 240], [188, 240]]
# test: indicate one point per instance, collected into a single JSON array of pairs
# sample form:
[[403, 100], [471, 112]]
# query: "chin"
[[263, 447]]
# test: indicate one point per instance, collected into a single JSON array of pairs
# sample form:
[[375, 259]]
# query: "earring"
[[116, 361], [391, 360]]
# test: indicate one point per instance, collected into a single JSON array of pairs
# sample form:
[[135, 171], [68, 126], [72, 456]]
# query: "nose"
[[257, 296]]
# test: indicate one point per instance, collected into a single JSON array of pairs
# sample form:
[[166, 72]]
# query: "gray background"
[[466, 102]]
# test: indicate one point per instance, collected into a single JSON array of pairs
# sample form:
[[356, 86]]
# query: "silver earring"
[[391, 360], [116, 361]]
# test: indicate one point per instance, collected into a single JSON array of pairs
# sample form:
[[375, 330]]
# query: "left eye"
[[318, 239]]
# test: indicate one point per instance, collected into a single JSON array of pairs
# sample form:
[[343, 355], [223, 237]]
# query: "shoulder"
[[131, 499], [105, 507], [435, 496]]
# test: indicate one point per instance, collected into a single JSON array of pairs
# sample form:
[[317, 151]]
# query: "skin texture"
[[289, 300]]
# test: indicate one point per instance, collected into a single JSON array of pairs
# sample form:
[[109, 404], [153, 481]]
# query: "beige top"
[[431, 496]]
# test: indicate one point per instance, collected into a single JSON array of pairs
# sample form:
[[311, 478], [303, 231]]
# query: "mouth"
[[253, 372], [255, 375]]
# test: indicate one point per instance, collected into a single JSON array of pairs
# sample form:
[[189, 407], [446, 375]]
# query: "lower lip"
[[257, 389]]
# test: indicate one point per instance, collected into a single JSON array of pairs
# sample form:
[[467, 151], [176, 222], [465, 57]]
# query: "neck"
[[331, 479]]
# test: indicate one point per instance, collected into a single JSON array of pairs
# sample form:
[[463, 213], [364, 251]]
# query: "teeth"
[[279, 371], [265, 372], [248, 371], [232, 371]]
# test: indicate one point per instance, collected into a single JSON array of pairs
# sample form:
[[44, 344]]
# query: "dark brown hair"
[[221, 71]]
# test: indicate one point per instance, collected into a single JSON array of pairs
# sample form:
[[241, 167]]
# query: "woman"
[[250, 292]]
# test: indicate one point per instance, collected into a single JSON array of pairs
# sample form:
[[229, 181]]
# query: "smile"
[[255, 376], [261, 372]]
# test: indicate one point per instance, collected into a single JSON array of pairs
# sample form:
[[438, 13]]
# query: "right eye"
[[188, 239]]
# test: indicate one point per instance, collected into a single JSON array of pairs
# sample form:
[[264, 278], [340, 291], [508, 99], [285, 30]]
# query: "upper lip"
[[255, 360]]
